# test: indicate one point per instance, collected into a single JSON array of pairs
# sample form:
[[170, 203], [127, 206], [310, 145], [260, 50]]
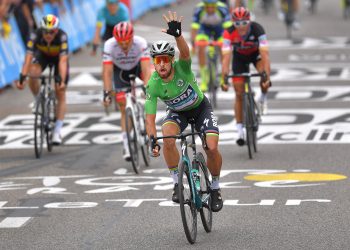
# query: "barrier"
[[12, 53], [78, 20]]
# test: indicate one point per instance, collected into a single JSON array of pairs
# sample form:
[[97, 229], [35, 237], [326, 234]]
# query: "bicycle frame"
[[198, 201], [136, 106]]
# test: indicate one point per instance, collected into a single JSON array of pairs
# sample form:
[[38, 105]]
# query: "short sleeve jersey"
[[113, 54], [58, 47], [122, 15], [180, 94], [221, 17], [254, 40]]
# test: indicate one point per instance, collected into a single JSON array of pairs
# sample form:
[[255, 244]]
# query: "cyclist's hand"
[[224, 84], [106, 98], [20, 82], [174, 24]]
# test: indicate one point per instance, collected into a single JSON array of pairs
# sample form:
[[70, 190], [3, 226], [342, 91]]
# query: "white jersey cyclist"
[[113, 53]]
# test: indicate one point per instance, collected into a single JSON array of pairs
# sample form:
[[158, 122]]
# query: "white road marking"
[[14, 222]]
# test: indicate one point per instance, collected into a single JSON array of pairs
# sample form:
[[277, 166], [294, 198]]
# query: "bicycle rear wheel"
[[39, 126], [51, 119], [248, 120], [132, 139], [187, 207], [205, 211]]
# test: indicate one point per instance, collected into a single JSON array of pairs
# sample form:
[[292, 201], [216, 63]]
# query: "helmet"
[[210, 1], [123, 31], [49, 22], [240, 13], [162, 48]]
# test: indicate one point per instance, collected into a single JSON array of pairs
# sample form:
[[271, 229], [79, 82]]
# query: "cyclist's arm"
[[264, 53], [195, 24], [146, 70], [63, 59], [107, 73], [183, 48], [226, 53], [27, 61], [99, 23], [151, 125]]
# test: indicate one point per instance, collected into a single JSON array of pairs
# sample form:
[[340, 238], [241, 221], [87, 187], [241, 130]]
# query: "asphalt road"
[[292, 195]]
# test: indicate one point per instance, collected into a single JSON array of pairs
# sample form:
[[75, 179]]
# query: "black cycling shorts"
[[121, 77], [44, 60], [240, 63], [203, 116]]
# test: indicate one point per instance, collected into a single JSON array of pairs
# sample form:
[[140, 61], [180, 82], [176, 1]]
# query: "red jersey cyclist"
[[246, 43], [124, 54]]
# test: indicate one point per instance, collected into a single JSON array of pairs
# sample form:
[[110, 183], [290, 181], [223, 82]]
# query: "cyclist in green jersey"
[[175, 84]]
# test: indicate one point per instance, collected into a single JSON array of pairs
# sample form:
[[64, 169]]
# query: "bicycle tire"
[[187, 207], [145, 147], [51, 119], [248, 125], [132, 139], [205, 212], [255, 125], [39, 126]]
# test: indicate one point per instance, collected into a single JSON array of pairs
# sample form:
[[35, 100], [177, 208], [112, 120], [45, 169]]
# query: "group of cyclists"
[[244, 42]]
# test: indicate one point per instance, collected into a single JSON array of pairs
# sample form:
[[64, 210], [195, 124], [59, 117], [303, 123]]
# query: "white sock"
[[215, 183], [263, 97], [239, 127], [58, 126], [125, 140]]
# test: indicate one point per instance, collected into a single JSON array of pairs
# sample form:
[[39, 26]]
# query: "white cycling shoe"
[[126, 154], [56, 139]]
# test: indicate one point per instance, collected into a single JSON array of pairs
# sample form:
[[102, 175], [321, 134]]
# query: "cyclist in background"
[[175, 84], [124, 54], [246, 42], [113, 13], [48, 45], [209, 20]]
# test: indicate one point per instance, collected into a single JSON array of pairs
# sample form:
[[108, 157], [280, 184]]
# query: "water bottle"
[[195, 176]]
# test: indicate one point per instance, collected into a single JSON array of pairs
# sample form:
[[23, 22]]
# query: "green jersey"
[[180, 94]]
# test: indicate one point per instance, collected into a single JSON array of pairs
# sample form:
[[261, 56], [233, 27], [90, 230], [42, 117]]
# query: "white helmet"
[[162, 48], [49, 22]]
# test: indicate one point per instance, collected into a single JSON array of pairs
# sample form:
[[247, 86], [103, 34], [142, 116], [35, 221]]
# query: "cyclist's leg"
[[239, 65], [37, 66], [203, 69], [61, 103], [207, 121], [173, 124]]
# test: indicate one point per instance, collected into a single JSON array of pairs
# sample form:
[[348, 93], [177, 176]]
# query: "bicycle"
[[135, 125], [44, 114], [194, 184], [212, 55], [251, 113]]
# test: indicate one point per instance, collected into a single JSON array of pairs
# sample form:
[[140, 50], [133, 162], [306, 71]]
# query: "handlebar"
[[246, 75]]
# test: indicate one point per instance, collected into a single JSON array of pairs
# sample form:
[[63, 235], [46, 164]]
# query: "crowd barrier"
[[78, 20]]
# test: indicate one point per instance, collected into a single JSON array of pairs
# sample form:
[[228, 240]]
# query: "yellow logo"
[[64, 46], [30, 44]]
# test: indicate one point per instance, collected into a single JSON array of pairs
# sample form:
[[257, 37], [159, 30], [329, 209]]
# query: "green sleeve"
[[185, 65], [151, 100]]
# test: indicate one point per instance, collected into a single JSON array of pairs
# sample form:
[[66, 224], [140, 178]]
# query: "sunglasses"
[[159, 59], [124, 41], [51, 32], [210, 5], [241, 23]]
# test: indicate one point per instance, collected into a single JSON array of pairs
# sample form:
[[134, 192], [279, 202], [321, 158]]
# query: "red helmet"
[[123, 31], [240, 13]]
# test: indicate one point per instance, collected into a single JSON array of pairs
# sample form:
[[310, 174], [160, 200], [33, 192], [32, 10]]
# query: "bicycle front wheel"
[[205, 211], [248, 120], [39, 126], [51, 119], [145, 145], [132, 139], [187, 207]]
